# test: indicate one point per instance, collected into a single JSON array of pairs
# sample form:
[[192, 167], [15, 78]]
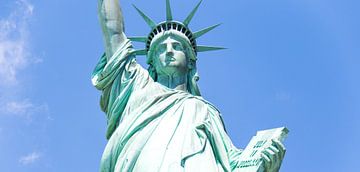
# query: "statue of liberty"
[[156, 118]]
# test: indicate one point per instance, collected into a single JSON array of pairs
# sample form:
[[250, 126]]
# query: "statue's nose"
[[169, 53], [169, 50]]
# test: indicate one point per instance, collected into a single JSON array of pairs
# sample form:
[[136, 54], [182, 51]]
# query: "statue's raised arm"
[[116, 74], [112, 24]]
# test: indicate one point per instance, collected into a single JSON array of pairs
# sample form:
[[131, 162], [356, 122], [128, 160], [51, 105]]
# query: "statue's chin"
[[173, 69]]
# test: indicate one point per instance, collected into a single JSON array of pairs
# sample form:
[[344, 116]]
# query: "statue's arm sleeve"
[[121, 64], [117, 74], [223, 144], [117, 78]]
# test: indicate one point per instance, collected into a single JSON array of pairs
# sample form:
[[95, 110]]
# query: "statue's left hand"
[[273, 156]]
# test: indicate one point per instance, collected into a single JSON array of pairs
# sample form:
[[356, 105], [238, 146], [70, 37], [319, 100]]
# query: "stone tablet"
[[250, 158]]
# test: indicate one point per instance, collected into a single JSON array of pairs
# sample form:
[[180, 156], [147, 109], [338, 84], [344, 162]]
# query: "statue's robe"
[[155, 128]]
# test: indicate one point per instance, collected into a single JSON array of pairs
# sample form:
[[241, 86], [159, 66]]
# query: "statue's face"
[[170, 58]]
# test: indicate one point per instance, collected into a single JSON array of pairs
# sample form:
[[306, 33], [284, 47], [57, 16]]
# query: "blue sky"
[[288, 63]]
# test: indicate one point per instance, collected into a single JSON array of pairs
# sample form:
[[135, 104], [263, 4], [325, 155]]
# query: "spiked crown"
[[171, 24]]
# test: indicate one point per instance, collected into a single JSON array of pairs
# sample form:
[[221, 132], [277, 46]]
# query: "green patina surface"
[[156, 118]]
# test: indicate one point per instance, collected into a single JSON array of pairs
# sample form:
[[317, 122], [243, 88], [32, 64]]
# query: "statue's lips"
[[170, 59]]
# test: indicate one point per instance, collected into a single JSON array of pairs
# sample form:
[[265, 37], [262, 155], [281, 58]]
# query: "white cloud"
[[30, 158], [15, 56], [24, 109], [14, 43], [19, 107]]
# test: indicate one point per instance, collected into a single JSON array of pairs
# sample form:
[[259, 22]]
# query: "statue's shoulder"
[[205, 110], [200, 101]]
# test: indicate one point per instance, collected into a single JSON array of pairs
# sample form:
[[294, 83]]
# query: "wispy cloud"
[[15, 52], [24, 109], [30, 158], [15, 57]]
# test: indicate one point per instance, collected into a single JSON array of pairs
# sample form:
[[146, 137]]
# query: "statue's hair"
[[192, 75]]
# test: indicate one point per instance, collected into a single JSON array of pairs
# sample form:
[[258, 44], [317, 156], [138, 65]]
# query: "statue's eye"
[[177, 46], [161, 48]]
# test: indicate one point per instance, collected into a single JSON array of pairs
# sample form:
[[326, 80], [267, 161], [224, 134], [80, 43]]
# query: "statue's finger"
[[277, 154], [271, 155], [265, 157], [280, 147], [274, 149], [279, 144], [269, 151], [266, 161]]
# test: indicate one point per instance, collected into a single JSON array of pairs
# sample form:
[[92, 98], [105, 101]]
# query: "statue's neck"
[[173, 81]]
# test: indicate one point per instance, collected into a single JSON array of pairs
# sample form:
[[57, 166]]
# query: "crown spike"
[[140, 52], [203, 31], [168, 11], [201, 48], [138, 39], [150, 22], [191, 15]]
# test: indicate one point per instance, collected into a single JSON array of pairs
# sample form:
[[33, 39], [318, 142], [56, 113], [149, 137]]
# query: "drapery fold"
[[154, 128]]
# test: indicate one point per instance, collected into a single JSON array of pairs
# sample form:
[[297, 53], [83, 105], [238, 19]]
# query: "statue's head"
[[171, 53], [171, 48]]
